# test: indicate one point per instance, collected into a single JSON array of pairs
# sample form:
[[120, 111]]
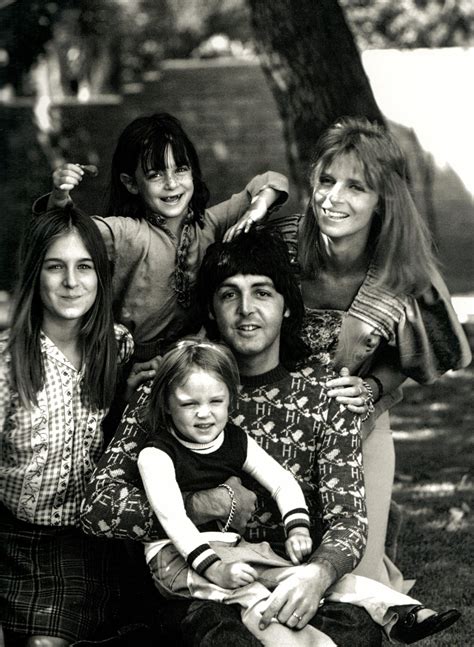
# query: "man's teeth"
[[248, 327]]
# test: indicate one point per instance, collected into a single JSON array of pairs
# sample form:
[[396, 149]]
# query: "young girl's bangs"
[[153, 156]]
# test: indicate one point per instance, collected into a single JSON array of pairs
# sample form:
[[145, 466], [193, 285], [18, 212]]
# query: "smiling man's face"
[[249, 313]]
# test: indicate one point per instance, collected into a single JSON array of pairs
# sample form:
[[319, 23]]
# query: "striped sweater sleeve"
[[159, 480], [281, 484]]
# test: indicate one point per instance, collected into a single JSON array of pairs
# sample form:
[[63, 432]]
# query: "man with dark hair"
[[254, 305]]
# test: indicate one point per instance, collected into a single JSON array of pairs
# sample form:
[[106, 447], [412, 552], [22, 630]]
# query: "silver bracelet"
[[369, 401], [233, 506]]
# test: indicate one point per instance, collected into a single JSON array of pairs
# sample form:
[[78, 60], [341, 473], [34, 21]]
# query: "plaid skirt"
[[56, 581]]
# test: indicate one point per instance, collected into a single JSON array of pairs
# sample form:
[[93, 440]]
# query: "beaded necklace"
[[181, 274]]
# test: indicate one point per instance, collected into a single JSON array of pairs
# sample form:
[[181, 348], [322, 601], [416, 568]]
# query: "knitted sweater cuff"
[[201, 558], [296, 518]]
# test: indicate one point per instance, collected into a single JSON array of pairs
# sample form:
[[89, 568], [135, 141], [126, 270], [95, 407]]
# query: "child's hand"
[[257, 212], [66, 178], [298, 545], [230, 575]]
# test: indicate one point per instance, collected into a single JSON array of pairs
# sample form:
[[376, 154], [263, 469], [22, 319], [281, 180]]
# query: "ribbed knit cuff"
[[296, 518], [201, 558]]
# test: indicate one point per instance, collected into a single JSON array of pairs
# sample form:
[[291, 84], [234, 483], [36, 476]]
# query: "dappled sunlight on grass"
[[434, 484], [439, 406], [417, 434], [438, 489]]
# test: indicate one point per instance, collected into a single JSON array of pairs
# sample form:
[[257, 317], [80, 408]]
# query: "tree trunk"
[[314, 69]]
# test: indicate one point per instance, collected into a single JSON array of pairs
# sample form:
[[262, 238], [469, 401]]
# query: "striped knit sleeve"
[[201, 558], [280, 483], [159, 480], [296, 518]]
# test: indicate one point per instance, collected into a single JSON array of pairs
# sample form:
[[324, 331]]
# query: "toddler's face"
[[199, 407]]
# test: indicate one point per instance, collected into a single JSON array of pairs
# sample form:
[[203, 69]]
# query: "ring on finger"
[[296, 615]]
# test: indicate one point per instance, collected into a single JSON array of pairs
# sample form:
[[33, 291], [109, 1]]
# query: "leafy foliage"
[[410, 23], [139, 34]]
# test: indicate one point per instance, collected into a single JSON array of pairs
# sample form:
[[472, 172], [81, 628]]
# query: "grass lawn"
[[434, 484]]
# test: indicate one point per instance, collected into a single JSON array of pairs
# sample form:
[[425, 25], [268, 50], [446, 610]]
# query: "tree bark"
[[314, 69]]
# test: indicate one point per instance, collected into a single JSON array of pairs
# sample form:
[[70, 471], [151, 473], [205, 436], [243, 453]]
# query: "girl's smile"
[[166, 192], [68, 280], [199, 407]]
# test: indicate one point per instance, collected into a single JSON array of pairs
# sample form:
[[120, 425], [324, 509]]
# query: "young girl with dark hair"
[[158, 226], [58, 366]]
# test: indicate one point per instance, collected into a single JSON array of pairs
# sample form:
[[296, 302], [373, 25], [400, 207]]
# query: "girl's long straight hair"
[[97, 336], [400, 243]]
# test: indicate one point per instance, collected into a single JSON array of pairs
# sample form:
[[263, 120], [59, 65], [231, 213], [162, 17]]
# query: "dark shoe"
[[408, 630]]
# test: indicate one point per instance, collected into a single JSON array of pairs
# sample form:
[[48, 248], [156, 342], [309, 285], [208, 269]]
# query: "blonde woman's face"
[[343, 202]]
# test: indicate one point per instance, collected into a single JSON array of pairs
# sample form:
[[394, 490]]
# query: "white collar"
[[200, 448]]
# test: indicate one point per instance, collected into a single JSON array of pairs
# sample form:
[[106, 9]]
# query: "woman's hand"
[[141, 372], [231, 575], [66, 178], [349, 390], [297, 597], [298, 544]]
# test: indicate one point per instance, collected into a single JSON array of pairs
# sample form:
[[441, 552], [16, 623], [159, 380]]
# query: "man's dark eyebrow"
[[229, 283]]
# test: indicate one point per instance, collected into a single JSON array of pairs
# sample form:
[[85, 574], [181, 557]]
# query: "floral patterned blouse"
[[321, 330]]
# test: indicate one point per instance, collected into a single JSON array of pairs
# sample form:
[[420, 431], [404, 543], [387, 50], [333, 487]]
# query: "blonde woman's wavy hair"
[[400, 243]]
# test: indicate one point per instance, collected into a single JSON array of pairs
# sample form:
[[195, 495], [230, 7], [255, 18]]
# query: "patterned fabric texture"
[[48, 452], [291, 417], [55, 581], [318, 440], [321, 329], [424, 332]]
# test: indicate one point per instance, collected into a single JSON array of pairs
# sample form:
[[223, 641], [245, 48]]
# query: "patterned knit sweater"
[[318, 440], [292, 418]]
